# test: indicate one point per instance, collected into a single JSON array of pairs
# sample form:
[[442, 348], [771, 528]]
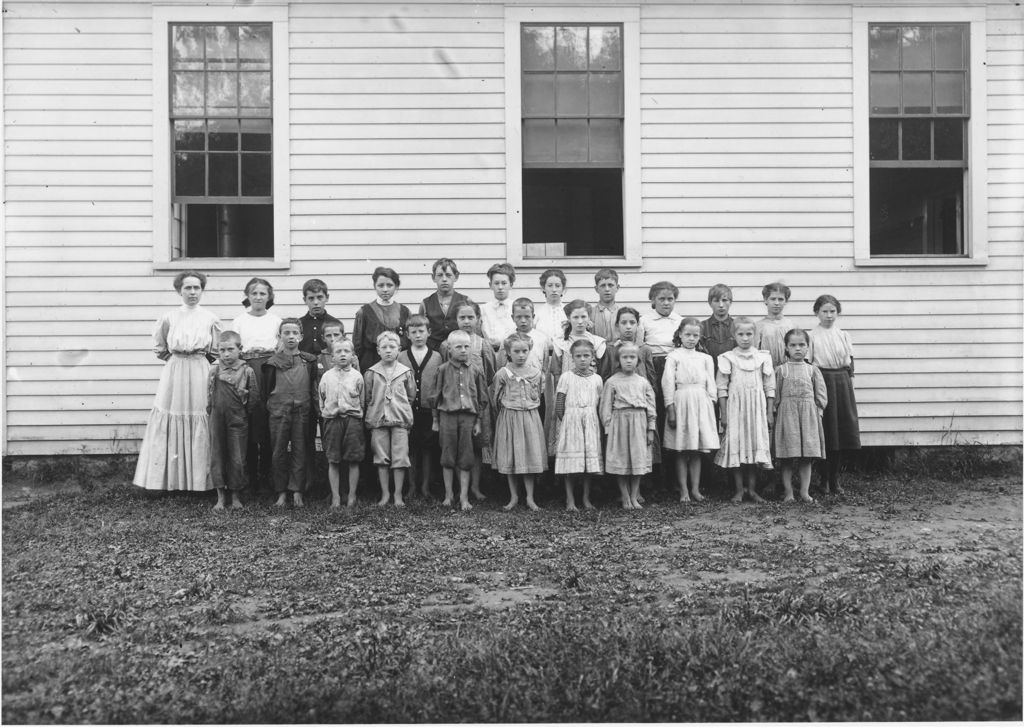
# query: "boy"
[[289, 388], [716, 332], [341, 406], [389, 392], [440, 308], [602, 313], [315, 296], [522, 316], [496, 315], [233, 395], [458, 398], [424, 363]]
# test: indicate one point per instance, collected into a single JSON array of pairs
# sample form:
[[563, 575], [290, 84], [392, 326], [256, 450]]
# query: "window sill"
[[576, 262], [213, 263], [921, 261]]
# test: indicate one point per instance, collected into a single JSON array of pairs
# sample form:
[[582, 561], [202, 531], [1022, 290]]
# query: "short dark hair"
[[660, 286], [382, 272], [502, 269], [605, 273], [580, 343], [515, 338], [443, 263], [823, 299], [795, 332], [627, 310], [417, 320], [523, 303], [289, 322], [719, 291], [179, 279], [552, 271], [314, 285], [232, 336]]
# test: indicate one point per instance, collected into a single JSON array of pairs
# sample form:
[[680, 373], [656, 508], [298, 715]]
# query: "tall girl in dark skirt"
[[831, 350]]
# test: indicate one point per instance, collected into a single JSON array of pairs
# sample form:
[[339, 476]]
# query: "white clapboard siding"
[[397, 156]]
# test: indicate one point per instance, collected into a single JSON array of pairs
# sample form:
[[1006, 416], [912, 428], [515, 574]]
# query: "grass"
[[901, 601]]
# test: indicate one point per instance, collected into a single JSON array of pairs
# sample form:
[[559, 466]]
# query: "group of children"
[[597, 387]]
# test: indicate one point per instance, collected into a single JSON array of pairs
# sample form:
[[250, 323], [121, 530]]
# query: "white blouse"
[[831, 348], [257, 332]]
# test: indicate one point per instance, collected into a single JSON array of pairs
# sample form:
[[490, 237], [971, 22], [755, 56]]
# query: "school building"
[[872, 150]]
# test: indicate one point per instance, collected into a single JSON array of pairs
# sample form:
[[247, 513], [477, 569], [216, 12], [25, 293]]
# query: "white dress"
[[689, 384], [579, 432], [175, 450], [748, 379]]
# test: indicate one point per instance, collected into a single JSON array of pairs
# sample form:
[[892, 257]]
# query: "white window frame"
[[163, 16], [629, 18], [976, 189]]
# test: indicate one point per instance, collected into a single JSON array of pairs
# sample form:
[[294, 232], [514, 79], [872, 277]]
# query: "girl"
[[627, 328], [578, 449], [746, 392], [659, 330], [629, 417], [799, 402], [549, 316], [688, 385], [574, 329], [258, 327], [831, 350], [519, 449], [771, 329], [382, 314], [481, 355], [175, 450]]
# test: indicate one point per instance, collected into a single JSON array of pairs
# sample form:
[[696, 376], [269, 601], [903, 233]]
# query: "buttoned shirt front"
[[459, 387]]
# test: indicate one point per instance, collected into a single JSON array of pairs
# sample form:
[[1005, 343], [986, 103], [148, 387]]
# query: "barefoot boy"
[[424, 363], [341, 406], [389, 391], [233, 396], [458, 399]]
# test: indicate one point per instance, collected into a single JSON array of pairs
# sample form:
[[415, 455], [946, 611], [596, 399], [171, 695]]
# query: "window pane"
[[539, 140], [949, 139], [885, 93], [187, 94], [917, 47], [949, 47], [255, 93], [222, 94], [186, 44], [605, 140], [949, 93], [254, 46], [571, 49], [221, 46], [538, 49], [917, 143], [571, 94], [189, 135], [605, 48], [884, 138], [917, 93], [256, 135], [223, 175], [539, 94], [189, 175], [884, 48], [572, 140], [578, 208], [606, 94], [224, 134], [256, 181], [917, 211], [230, 230]]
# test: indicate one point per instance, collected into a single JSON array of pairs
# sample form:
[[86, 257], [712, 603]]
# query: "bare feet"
[[806, 498], [588, 505], [532, 505], [637, 505], [571, 507], [755, 497], [511, 504], [399, 503], [236, 504], [383, 501], [464, 505], [282, 500], [737, 498], [335, 503], [640, 499], [788, 498], [447, 502], [685, 498], [298, 500], [219, 507], [697, 496]]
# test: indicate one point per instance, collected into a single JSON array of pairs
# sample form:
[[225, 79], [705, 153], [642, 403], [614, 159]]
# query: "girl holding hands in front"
[[800, 401], [630, 419], [578, 443], [746, 393]]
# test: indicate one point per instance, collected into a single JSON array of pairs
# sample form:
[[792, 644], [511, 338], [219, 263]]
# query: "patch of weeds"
[[93, 621]]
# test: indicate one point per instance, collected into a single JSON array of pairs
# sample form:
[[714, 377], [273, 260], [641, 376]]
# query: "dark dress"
[[371, 321]]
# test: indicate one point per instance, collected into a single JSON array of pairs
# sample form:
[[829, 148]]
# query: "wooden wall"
[[397, 157]]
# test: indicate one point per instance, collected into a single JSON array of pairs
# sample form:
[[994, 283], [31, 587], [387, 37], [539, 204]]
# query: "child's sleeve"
[[357, 333], [652, 408], [600, 348], [723, 375], [768, 377], [431, 385], [668, 381], [410, 389], [321, 393], [483, 391], [820, 392], [443, 350], [498, 387], [780, 378], [709, 377], [604, 404]]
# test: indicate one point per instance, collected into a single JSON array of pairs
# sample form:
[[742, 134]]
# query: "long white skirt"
[[175, 451]]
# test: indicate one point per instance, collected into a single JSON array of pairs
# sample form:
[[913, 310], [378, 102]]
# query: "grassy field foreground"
[[901, 600]]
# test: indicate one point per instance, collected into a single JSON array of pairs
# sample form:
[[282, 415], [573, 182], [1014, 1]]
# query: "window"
[[220, 192], [573, 154], [921, 112]]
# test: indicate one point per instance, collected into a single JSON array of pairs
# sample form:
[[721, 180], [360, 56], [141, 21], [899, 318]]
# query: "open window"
[[219, 138]]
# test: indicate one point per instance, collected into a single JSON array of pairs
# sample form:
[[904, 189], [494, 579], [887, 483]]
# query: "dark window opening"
[[229, 230], [572, 212], [917, 211]]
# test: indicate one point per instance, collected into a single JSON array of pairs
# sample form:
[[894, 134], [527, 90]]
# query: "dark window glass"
[[229, 230], [917, 211], [579, 211]]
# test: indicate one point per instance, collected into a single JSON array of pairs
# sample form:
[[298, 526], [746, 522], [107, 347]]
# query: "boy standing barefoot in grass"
[[424, 363], [341, 406], [458, 399], [233, 396], [390, 389]]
